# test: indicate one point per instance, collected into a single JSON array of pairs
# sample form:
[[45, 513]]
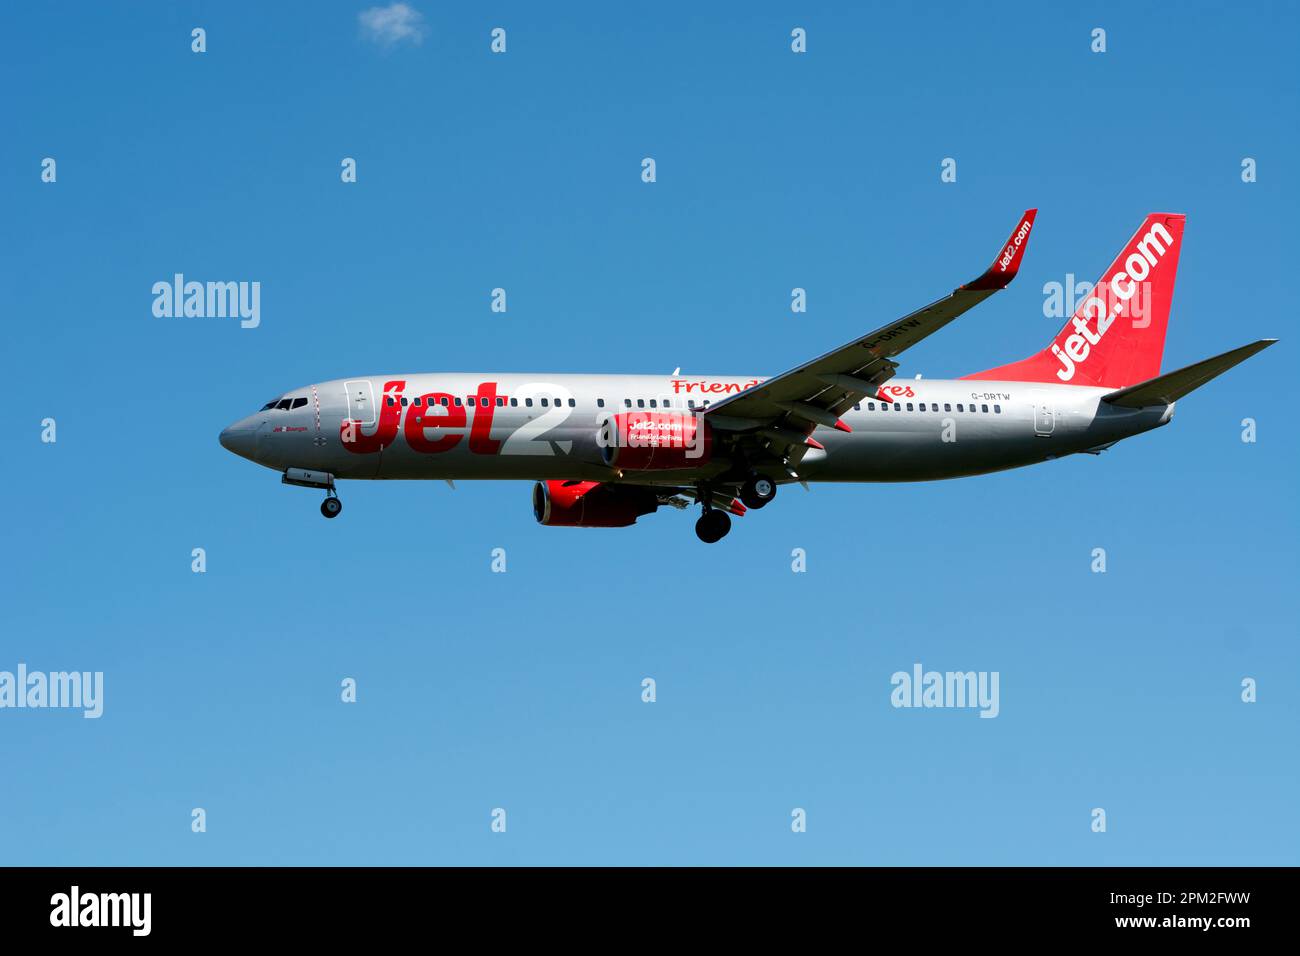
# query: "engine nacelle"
[[590, 504], [646, 441]]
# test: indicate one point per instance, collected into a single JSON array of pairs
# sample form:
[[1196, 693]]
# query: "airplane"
[[605, 450]]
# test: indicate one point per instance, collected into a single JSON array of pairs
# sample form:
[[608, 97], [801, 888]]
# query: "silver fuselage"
[[360, 428]]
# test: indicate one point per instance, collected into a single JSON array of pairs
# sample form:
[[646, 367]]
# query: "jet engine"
[[645, 441], [590, 504]]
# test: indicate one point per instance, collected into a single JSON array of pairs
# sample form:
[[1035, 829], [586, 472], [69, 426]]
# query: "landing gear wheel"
[[713, 526], [331, 507], [758, 491]]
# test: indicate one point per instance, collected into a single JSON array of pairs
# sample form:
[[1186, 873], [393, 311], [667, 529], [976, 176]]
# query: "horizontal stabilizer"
[[1168, 388]]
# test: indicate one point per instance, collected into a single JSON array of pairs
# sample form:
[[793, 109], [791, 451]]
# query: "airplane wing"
[[785, 410]]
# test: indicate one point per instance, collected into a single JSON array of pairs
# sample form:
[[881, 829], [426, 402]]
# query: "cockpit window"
[[285, 403]]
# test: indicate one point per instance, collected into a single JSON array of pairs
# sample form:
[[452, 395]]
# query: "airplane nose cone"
[[239, 439]]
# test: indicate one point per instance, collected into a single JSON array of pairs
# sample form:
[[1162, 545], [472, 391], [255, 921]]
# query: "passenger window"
[[997, 409], [640, 403], [483, 402], [600, 403], [445, 401], [690, 403], [897, 407], [458, 401], [389, 400], [984, 409], [514, 403], [527, 401], [501, 403], [668, 403], [653, 403], [947, 407], [627, 402], [546, 403], [960, 407], [403, 401], [857, 407], [909, 406], [573, 403]]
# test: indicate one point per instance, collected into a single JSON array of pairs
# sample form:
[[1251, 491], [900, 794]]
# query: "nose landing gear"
[[306, 478]]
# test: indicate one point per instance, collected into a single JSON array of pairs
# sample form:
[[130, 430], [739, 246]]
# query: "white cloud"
[[393, 24]]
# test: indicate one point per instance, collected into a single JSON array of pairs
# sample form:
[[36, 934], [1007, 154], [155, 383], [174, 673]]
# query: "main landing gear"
[[331, 506], [757, 491], [713, 525]]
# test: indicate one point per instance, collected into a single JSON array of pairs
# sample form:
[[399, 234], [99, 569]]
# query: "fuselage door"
[[1044, 413], [361, 401]]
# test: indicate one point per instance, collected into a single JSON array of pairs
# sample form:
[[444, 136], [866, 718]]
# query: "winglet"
[[1007, 264]]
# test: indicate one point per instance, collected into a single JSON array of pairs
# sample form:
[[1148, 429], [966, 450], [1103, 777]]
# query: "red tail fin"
[[1117, 336]]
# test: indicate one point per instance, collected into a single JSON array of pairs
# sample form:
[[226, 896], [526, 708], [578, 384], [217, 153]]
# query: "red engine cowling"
[[645, 441], [590, 504]]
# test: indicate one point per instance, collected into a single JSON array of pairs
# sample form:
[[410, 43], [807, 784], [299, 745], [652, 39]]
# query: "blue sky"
[[522, 690]]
